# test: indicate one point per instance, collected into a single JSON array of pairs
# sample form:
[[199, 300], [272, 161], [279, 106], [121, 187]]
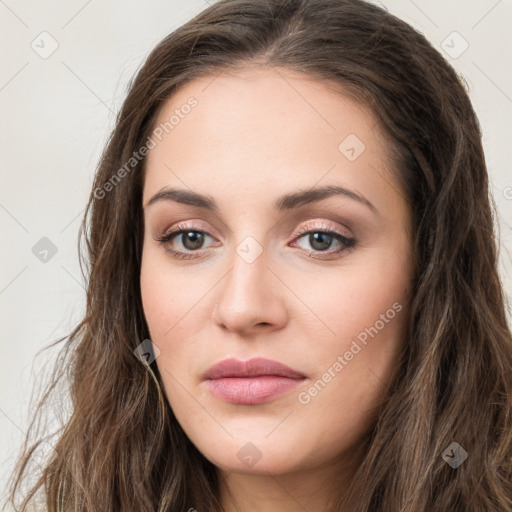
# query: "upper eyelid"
[[308, 225]]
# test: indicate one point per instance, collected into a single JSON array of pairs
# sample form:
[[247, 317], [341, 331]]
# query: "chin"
[[252, 453]]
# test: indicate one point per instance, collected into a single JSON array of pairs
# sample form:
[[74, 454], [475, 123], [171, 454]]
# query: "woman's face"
[[296, 248]]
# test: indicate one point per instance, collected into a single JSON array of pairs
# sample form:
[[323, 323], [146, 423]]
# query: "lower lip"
[[251, 390]]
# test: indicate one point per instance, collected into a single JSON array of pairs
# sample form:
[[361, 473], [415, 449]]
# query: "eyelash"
[[349, 243]]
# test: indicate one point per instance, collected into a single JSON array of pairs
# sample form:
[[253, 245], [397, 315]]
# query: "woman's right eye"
[[191, 240]]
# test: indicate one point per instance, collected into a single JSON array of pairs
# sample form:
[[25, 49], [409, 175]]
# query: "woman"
[[293, 301]]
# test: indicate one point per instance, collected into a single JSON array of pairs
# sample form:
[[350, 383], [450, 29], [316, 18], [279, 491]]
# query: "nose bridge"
[[248, 277], [248, 296]]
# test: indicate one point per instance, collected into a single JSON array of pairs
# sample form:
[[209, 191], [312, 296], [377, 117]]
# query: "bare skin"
[[254, 136]]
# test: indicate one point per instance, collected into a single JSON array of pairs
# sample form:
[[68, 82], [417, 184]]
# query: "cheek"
[[353, 371], [162, 307], [168, 301], [364, 316], [157, 303], [165, 295], [361, 298]]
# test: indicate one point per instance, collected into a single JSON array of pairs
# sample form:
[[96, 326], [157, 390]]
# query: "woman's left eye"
[[320, 239]]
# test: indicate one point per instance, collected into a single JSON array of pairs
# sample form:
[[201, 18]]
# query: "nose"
[[250, 297]]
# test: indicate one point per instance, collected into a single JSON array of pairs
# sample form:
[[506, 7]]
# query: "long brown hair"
[[121, 447]]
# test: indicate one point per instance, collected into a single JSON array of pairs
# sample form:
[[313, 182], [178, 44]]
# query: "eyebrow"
[[285, 202]]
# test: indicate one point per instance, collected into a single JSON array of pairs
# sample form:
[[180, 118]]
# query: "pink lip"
[[250, 382]]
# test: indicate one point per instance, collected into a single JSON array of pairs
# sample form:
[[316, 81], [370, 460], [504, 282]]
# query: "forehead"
[[263, 129]]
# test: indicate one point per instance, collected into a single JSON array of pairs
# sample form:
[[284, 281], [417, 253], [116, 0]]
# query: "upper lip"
[[255, 367]]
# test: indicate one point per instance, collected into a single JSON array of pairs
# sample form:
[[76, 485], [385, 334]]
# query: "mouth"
[[251, 382]]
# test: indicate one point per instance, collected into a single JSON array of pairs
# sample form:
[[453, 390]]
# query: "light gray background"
[[57, 112]]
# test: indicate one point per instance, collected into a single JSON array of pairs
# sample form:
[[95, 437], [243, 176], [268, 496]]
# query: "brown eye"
[[320, 241], [188, 240], [192, 240]]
